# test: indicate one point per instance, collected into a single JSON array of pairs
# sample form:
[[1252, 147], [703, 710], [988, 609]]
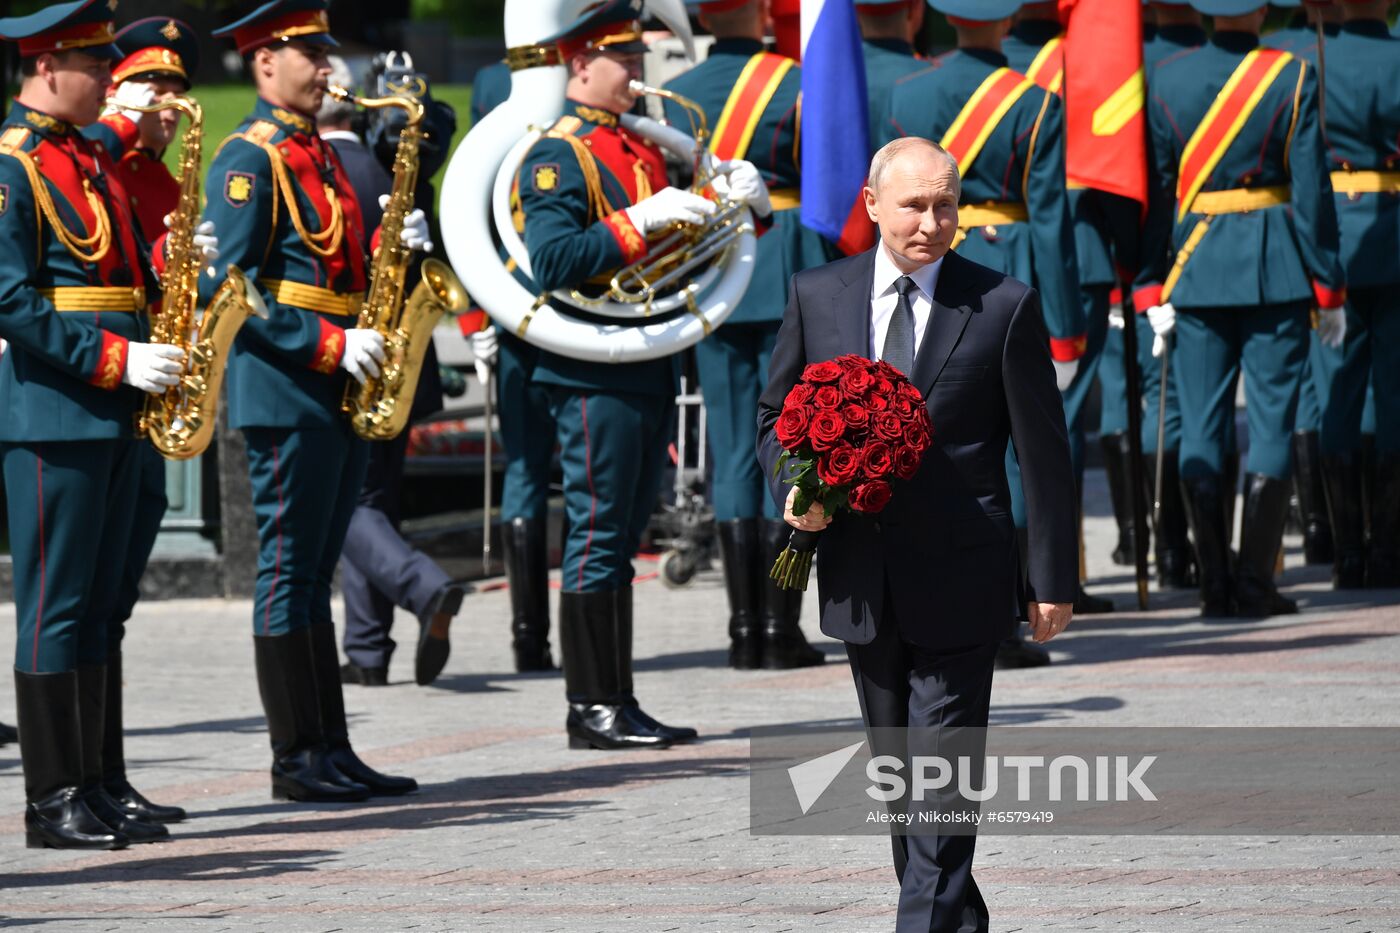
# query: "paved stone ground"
[[514, 832]]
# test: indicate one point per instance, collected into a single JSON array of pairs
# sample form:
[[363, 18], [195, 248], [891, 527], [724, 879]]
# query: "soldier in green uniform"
[[1007, 135], [527, 434], [77, 281], [887, 28], [290, 221], [752, 101], [1363, 140], [1299, 36], [590, 193], [1241, 241]]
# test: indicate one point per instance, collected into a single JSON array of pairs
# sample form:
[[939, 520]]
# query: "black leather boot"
[[1205, 512], [743, 572], [335, 732], [1383, 562], [56, 814], [1116, 466], [301, 768], [632, 709], [527, 570], [8, 734], [1261, 534], [783, 646], [1176, 562], [1342, 481], [92, 704], [125, 797], [1308, 472], [590, 630]]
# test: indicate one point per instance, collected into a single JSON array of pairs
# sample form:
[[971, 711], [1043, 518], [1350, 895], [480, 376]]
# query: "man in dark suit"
[[923, 592]]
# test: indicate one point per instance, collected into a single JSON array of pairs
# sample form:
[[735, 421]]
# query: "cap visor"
[[635, 47]]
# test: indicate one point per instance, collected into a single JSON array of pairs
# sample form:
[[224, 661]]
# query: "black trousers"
[[909, 697], [378, 568]]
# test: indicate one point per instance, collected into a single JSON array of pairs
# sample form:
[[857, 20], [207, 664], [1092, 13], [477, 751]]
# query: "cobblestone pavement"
[[515, 832]]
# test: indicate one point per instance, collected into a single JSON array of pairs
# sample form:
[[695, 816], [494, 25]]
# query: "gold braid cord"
[[84, 249], [325, 243], [593, 180]]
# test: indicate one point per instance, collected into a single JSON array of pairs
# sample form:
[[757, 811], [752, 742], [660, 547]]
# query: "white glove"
[[1064, 373], [484, 350], [669, 206], [3, 346], [130, 93], [364, 351], [1332, 327], [1115, 317], [739, 180], [153, 367], [414, 234], [1163, 320], [205, 240]]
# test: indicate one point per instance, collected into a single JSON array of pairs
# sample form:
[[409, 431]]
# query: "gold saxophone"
[[180, 421], [379, 409]]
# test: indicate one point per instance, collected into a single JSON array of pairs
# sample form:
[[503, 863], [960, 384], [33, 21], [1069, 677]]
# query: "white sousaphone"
[[649, 312]]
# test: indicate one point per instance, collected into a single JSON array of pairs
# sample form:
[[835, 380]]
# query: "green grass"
[[225, 106]]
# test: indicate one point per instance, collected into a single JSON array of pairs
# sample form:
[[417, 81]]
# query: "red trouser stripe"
[[592, 496], [277, 563], [39, 613]]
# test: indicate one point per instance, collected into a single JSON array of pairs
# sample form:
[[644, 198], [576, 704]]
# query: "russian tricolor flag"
[[835, 143]]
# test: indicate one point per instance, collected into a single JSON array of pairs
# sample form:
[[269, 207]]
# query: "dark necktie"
[[899, 339]]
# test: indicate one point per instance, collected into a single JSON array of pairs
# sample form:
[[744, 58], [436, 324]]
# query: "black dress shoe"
[[646, 723], [1086, 604], [308, 776], [1014, 654], [352, 673], [608, 727], [63, 821], [433, 644], [132, 803], [8, 734], [133, 828], [380, 785]]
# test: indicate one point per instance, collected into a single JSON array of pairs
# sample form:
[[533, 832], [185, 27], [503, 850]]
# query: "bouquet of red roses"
[[848, 428]]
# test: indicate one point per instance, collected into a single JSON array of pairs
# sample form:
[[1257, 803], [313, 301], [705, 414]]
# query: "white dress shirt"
[[883, 299]]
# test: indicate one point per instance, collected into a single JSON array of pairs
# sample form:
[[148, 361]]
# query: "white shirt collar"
[[328, 135], [887, 273]]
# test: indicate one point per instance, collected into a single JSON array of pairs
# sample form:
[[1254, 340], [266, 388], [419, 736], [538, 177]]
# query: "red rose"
[[917, 437], [850, 361], [855, 383], [877, 459], [857, 418], [871, 496], [876, 402], [827, 397], [886, 426], [826, 429], [791, 429], [801, 394], [906, 461], [888, 372], [907, 390], [884, 387], [839, 466], [903, 407], [822, 373]]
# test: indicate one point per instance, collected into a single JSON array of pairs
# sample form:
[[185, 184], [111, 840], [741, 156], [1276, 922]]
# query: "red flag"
[[1105, 94]]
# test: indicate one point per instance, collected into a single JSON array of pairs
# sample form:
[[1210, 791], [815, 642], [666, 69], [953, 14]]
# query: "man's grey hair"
[[332, 110], [894, 149]]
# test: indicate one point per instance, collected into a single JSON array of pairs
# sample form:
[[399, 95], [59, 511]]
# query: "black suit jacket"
[[944, 549]]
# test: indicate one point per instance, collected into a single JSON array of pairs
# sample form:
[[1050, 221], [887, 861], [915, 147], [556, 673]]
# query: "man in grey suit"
[[923, 592]]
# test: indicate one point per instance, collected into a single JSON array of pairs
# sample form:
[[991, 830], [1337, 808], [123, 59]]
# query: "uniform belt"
[[1239, 200], [991, 213], [1365, 182], [96, 298], [785, 199], [314, 298]]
